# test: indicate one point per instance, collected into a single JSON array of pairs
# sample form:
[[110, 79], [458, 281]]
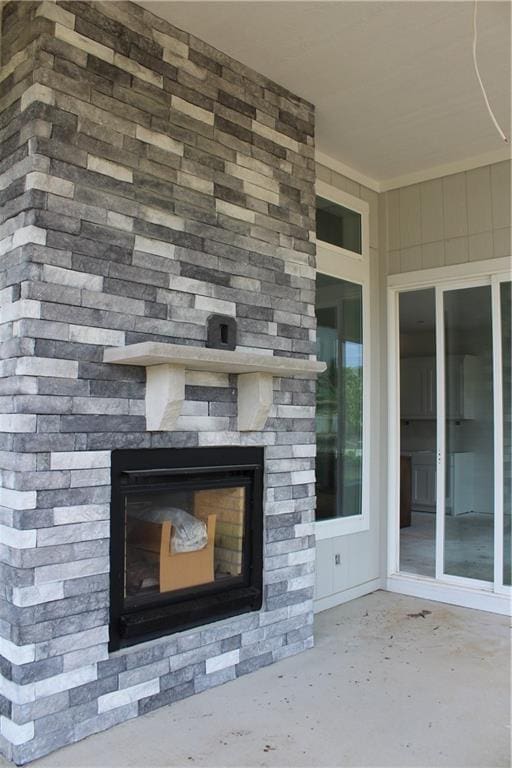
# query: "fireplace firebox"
[[186, 539]]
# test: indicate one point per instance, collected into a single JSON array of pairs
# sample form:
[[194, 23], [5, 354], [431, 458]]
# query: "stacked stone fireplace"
[[147, 181]]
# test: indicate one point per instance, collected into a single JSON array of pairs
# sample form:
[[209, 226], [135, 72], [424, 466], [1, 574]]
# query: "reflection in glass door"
[[469, 434], [455, 432], [418, 411]]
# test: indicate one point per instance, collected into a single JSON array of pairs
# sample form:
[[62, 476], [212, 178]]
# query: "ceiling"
[[393, 82]]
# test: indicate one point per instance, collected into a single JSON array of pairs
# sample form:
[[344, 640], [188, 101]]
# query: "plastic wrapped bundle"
[[189, 533]]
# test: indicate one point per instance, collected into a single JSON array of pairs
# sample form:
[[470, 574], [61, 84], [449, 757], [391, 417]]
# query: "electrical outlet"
[[337, 559]]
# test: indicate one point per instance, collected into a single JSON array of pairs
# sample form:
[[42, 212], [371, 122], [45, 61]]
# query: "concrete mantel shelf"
[[166, 366]]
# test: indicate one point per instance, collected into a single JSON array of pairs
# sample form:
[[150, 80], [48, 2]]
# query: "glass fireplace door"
[[186, 538]]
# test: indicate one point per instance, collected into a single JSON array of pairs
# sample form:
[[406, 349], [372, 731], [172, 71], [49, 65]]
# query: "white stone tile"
[[192, 110], [29, 234], [73, 570], [65, 681], [47, 183], [157, 247], [275, 136], [308, 450], [143, 73], [252, 176], [18, 654], [102, 336], [260, 193], [158, 140], [80, 513], [83, 478], [215, 305], [20, 310], [17, 422], [73, 642], [235, 211], [301, 556], [70, 277], [37, 92], [90, 655], [45, 366], [156, 216], [69, 534], [18, 694], [52, 11], [303, 476], [109, 168], [84, 43], [79, 460], [218, 438], [119, 221], [170, 43], [14, 733], [128, 695], [44, 593], [14, 537], [222, 661], [195, 182]]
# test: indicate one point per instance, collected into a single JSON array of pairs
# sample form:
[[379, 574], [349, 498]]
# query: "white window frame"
[[334, 195], [355, 268]]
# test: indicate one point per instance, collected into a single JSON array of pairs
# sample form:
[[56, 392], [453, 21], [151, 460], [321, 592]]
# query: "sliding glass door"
[[455, 441]]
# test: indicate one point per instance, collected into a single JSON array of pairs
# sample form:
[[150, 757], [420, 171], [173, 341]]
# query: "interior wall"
[[360, 570]]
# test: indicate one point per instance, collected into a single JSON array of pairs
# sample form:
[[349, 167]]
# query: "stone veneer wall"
[[146, 180]]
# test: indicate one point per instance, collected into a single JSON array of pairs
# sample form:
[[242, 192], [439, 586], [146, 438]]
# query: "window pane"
[[338, 225], [339, 416]]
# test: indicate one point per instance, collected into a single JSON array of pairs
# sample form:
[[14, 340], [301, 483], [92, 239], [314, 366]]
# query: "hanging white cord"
[[497, 125]]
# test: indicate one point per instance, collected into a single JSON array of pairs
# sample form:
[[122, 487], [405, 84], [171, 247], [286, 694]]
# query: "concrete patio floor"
[[380, 688]]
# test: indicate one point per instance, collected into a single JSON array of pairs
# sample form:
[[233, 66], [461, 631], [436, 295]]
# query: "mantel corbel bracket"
[[167, 364]]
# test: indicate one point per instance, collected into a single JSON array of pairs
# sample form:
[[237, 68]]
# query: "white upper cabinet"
[[418, 387]]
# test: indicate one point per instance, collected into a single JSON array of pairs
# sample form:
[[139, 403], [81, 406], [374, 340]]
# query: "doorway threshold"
[[454, 594]]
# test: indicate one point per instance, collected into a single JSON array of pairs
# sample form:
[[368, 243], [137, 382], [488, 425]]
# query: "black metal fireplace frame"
[[155, 469]]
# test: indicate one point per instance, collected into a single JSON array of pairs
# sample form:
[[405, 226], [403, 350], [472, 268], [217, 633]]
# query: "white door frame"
[[445, 588]]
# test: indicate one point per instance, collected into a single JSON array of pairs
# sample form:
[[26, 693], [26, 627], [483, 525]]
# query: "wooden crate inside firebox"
[[228, 505]]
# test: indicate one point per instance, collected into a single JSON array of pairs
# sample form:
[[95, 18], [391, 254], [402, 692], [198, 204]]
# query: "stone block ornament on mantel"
[[166, 365]]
